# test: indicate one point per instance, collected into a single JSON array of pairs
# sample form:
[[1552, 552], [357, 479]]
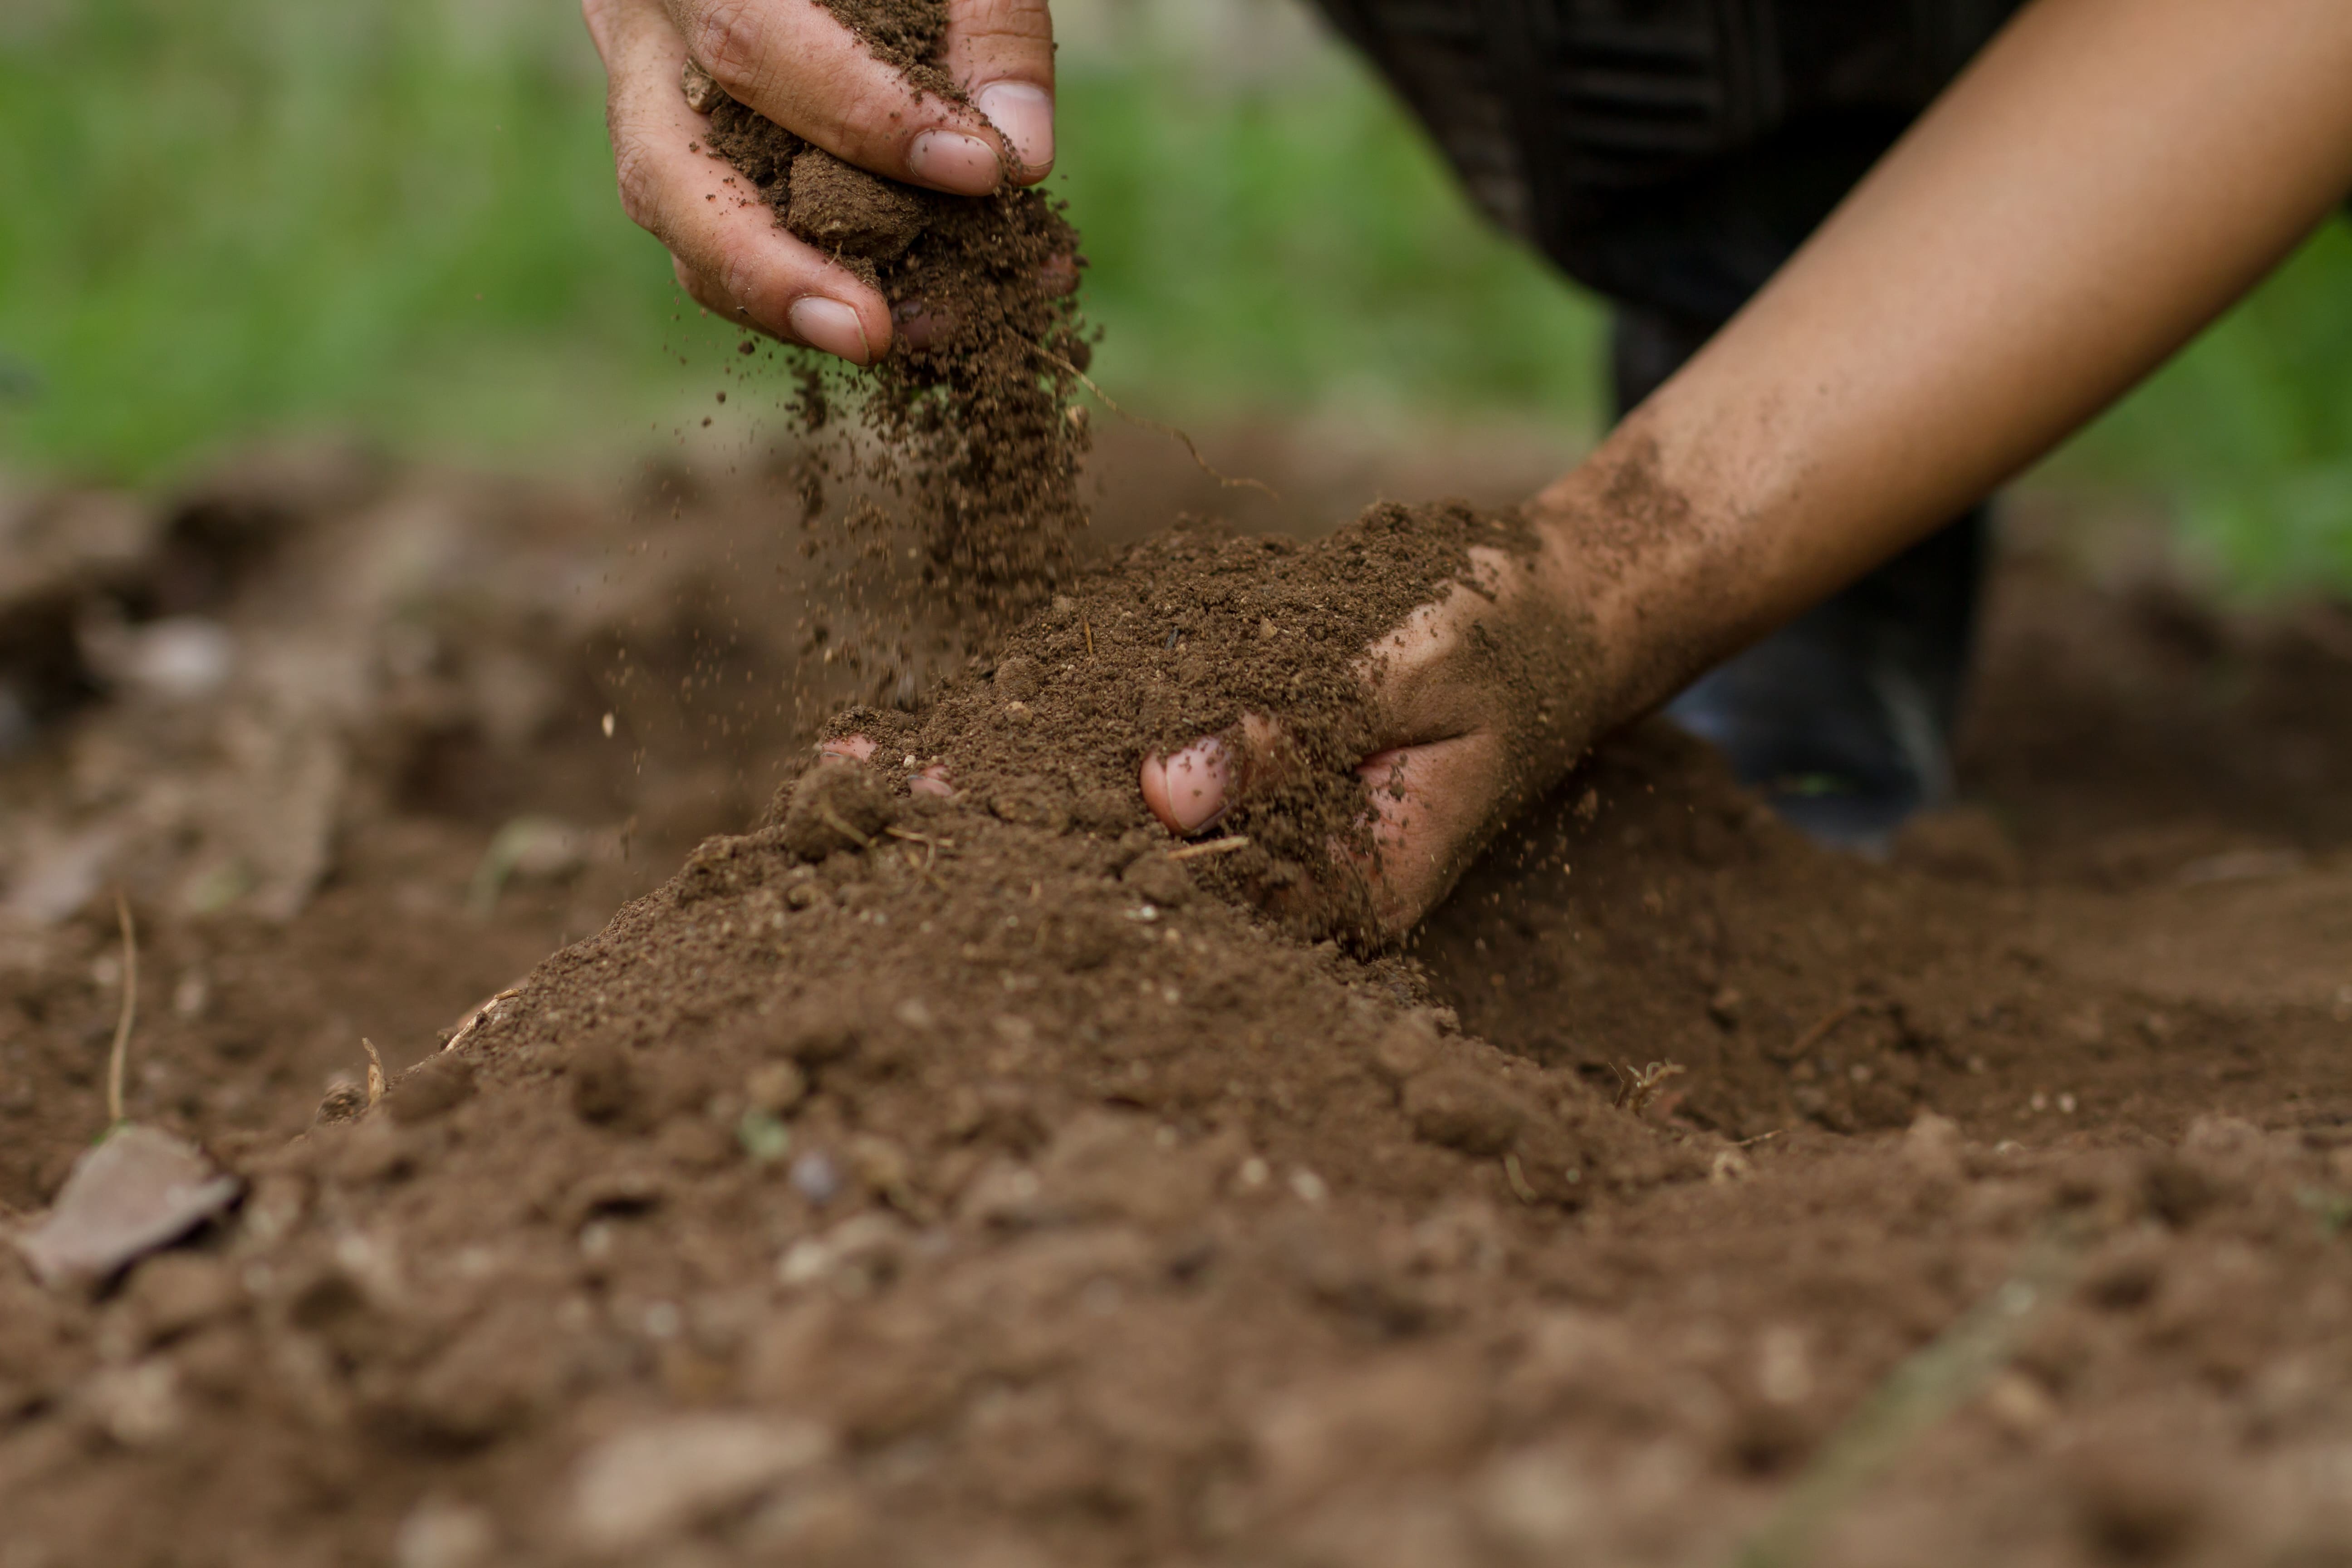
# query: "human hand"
[[794, 62], [1476, 704], [1465, 707]]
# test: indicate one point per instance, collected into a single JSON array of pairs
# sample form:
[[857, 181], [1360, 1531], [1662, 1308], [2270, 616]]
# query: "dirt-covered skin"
[[905, 1181]]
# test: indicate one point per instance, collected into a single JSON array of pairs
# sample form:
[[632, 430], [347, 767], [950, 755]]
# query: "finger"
[[1188, 789], [1427, 819], [729, 252], [1001, 52], [1414, 674], [815, 322], [795, 63], [932, 780], [1193, 788]]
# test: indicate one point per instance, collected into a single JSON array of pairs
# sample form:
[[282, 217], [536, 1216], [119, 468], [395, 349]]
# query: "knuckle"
[[729, 38], [739, 274], [867, 128], [1026, 21], [640, 186], [699, 288]]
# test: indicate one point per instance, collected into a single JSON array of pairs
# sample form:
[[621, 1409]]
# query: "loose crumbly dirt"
[[1178, 638], [906, 33], [976, 427], [900, 1182]]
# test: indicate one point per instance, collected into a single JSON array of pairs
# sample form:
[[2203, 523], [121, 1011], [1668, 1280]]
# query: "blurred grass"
[[255, 216], [1300, 245], [397, 217], [2246, 438]]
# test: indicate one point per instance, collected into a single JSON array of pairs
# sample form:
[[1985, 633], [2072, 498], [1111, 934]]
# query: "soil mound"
[[908, 1179]]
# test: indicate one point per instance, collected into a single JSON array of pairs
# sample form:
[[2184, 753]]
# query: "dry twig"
[[1641, 1087], [120, 1057], [377, 1081], [1518, 1180], [480, 1017], [1109, 401], [1825, 1029], [1214, 846], [841, 823]]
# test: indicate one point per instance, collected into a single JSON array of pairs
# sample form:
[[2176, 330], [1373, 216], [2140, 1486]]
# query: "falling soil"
[[911, 1180], [971, 409]]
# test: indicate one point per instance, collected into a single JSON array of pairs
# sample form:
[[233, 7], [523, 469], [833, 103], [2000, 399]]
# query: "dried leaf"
[[136, 1193]]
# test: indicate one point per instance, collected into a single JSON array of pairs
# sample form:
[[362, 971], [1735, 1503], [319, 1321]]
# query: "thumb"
[[1001, 52], [1191, 789], [1188, 790]]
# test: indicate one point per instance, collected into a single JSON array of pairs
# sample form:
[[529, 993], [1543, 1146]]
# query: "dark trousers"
[[1831, 695]]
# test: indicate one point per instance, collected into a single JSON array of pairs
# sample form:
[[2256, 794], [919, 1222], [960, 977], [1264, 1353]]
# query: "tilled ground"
[[960, 1189]]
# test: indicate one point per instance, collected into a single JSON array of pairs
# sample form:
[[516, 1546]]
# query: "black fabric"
[[1670, 153]]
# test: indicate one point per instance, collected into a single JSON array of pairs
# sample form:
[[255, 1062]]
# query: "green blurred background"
[[396, 216]]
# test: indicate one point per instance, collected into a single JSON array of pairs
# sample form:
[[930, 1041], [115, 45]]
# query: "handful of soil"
[[977, 421], [1182, 637]]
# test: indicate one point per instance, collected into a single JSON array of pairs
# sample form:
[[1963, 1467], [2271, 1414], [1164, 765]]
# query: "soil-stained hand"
[[795, 62], [1479, 702]]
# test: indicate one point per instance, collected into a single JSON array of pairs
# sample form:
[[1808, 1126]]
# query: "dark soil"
[[903, 33], [909, 1180]]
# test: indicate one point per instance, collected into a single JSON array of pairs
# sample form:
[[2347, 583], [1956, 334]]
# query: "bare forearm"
[[2106, 179]]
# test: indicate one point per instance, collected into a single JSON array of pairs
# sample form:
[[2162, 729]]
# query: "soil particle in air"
[[976, 420]]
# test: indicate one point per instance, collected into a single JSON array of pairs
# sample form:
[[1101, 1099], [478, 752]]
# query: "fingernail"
[[830, 325], [953, 162], [1197, 776], [1024, 113]]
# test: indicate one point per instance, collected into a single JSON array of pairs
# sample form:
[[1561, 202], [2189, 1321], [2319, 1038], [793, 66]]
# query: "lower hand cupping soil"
[[915, 1179]]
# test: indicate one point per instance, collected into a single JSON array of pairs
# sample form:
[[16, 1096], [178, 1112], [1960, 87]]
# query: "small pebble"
[[816, 1178], [776, 1087]]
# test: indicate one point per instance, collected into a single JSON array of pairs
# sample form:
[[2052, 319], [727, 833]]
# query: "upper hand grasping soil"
[[856, 80]]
